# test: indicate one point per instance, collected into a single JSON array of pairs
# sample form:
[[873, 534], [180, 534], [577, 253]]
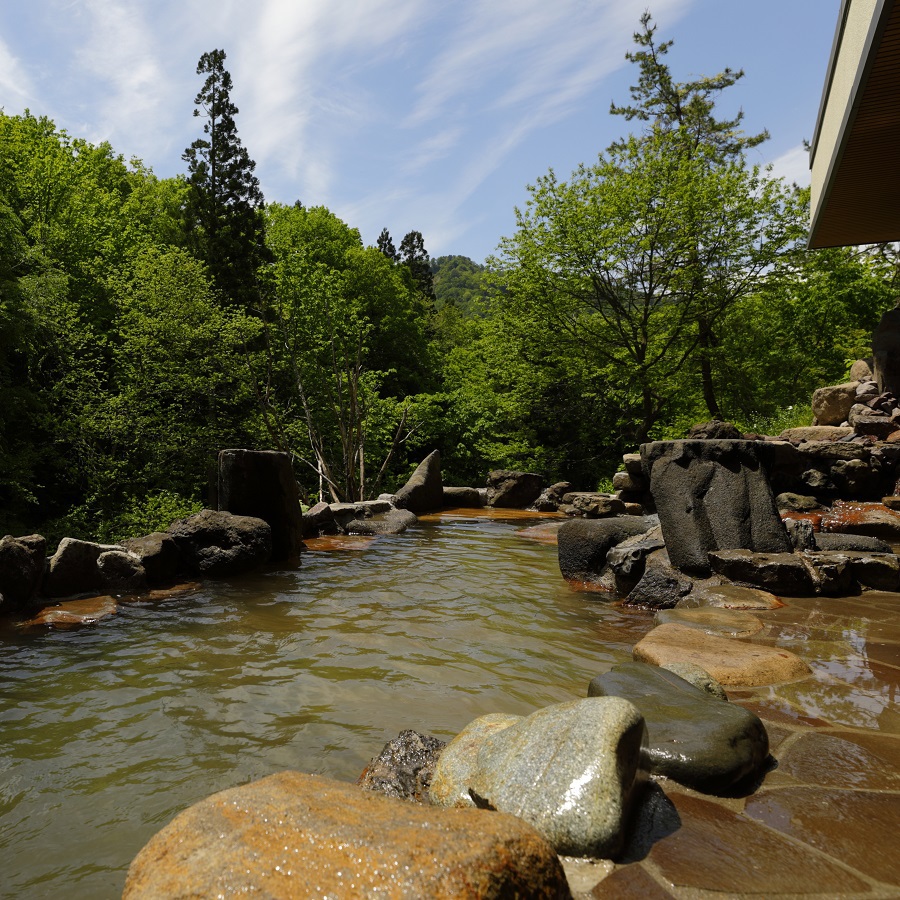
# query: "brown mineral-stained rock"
[[295, 835], [73, 613], [730, 662]]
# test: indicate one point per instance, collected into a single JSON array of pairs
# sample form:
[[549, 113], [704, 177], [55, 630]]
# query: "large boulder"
[[513, 490], [424, 492], [121, 570], [319, 519], [714, 430], [693, 738], [216, 544], [712, 495], [294, 835], [73, 568], [21, 570], [158, 554], [571, 770], [779, 573], [591, 505], [660, 587], [583, 544], [261, 484], [462, 497], [831, 405]]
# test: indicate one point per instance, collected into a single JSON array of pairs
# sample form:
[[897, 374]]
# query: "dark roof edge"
[[873, 39]]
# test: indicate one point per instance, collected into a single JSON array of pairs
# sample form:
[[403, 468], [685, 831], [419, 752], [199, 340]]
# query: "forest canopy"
[[146, 323]]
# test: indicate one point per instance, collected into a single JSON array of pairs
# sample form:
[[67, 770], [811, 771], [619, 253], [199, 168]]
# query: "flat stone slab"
[[780, 573], [730, 596], [295, 835], [730, 662], [729, 623], [694, 738], [571, 770], [74, 613]]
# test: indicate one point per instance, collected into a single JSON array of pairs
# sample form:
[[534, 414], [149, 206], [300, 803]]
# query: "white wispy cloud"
[[16, 89], [793, 166]]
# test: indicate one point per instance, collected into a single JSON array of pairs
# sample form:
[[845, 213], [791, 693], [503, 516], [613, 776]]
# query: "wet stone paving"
[[824, 819]]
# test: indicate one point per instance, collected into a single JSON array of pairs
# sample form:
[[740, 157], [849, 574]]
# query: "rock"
[[319, 519], [462, 497], [74, 613], [582, 544], [295, 835], [831, 405], [816, 433], [731, 596], [714, 430], [591, 505], [424, 492], [513, 490], [570, 770], [863, 370], [780, 573], [886, 352], [628, 559], [693, 738], [660, 587], [796, 502], [625, 481], [215, 543], [21, 570], [394, 522], [801, 533], [450, 780], [73, 568], [261, 484], [730, 623], [632, 463], [405, 766], [712, 495], [870, 519], [892, 502], [730, 662], [698, 677], [158, 554], [831, 572], [876, 571], [866, 421], [551, 497], [121, 570]]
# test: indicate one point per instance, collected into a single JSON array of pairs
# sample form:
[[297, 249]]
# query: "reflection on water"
[[109, 732]]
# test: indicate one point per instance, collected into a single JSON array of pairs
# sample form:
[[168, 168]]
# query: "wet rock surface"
[[731, 596], [584, 544], [660, 587], [395, 521], [729, 623], [74, 613], [159, 556], [730, 662], [571, 770], [295, 835], [405, 766], [693, 738]]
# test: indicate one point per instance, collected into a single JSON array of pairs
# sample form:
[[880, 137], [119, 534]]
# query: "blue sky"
[[409, 114]]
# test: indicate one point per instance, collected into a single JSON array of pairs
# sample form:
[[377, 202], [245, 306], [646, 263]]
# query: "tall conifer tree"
[[223, 217]]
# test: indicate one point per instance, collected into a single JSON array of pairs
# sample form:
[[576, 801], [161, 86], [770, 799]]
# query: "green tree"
[[414, 257], [688, 107], [223, 218], [609, 266], [385, 244]]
